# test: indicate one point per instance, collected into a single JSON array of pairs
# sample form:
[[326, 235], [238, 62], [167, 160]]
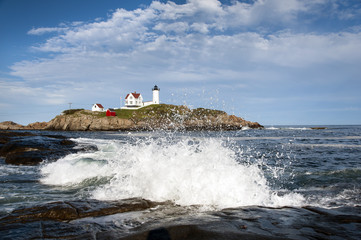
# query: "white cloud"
[[302, 50], [177, 27], [15, 92], [200, 27], [43, 30], [123, 28]]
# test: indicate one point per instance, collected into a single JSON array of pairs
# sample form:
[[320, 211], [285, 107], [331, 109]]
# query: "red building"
[[110, 113]]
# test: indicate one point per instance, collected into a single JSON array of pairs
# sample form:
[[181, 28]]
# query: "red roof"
[[99, 105], [135, 95]]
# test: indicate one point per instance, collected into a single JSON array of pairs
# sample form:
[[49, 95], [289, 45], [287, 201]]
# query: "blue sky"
[[271, 61]]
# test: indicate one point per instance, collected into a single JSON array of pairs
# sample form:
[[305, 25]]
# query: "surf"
[[185, 170]]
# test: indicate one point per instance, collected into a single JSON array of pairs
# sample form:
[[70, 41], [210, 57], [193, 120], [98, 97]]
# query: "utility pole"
[[70, 105]]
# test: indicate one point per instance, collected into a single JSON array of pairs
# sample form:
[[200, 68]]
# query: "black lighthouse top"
[[155, 88]]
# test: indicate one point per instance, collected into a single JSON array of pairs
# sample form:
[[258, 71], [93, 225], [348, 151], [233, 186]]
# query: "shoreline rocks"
[[137, 218]]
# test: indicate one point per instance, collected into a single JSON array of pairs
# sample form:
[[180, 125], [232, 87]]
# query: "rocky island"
[[153, 117]]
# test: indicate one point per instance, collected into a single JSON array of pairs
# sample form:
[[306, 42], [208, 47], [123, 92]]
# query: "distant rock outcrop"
[[8, 125], [153, 117]]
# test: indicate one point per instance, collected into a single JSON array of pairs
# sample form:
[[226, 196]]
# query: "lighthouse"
[[155, 90]]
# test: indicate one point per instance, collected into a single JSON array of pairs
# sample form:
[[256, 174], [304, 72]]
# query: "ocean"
[[270, 181]]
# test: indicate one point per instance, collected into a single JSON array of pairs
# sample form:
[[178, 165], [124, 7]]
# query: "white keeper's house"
[[135, 100], [97, 107]]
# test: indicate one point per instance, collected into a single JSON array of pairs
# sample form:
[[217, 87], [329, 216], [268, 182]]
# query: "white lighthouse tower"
[[155, 94]]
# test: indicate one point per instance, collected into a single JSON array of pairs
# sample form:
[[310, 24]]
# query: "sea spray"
[[185, 170]]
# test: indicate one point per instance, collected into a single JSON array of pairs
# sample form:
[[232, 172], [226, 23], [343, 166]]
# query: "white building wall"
[[155, 96], [95, 108], [132, 101]]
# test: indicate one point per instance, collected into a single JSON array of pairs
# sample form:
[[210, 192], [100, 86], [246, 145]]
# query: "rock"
[[71, 210], [87, 122], [51, 220], [24, 156], [9, 125], [5, 136], [193, 232], [22, 148], [67, 142], [36, 126], [139, 219]]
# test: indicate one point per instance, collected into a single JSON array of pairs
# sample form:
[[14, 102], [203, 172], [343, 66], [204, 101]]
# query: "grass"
[[198, 112], [124, 113], [158, 112], [72, 111]]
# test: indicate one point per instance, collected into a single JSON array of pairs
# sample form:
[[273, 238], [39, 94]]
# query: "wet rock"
[[194, 232], [71, 210], [59, 211], [25, 156], [23, 148], [67, 142], [139, 219], [5, 136], [93, 208], [52, 220], [31, 152]]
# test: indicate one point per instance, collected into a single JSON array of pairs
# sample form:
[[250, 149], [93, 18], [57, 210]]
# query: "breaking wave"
[[187, 171]]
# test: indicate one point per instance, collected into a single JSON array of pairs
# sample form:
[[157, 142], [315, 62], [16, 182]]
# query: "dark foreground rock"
[[71, 210], [140, 219], [51, 220], [26, 148]]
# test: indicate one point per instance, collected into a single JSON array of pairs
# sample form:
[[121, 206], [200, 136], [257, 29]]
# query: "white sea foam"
[[188, 171], [312, 145], [288, 128], [6, 170], [272, 128]]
